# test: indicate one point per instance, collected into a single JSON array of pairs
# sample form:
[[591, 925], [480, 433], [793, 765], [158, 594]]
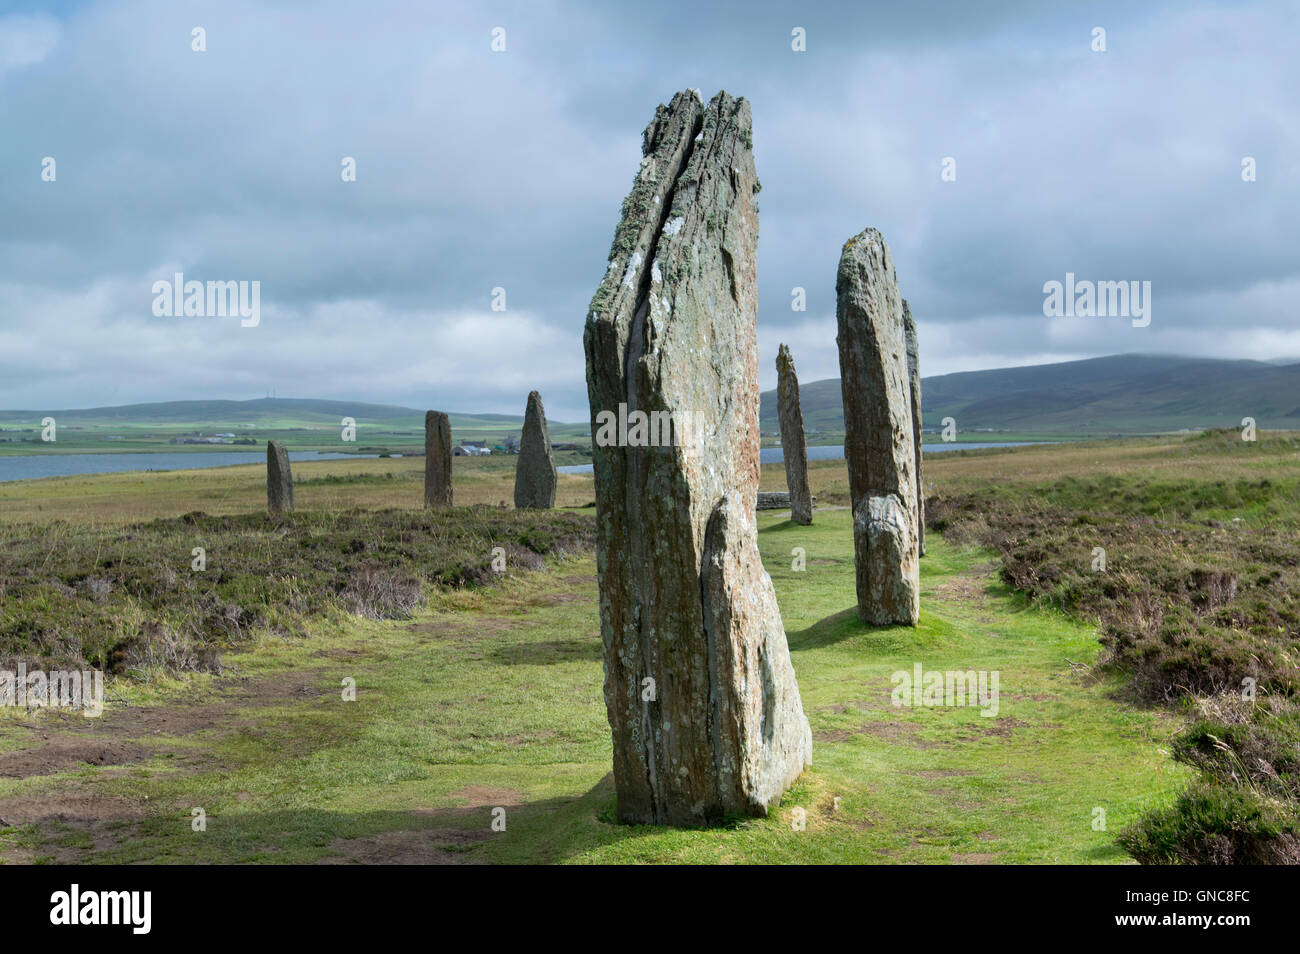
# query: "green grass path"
[[492, 699]]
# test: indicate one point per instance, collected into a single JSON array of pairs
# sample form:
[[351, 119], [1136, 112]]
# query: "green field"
[[491, 698], [302, 425], [1075, 400], [476, 693]]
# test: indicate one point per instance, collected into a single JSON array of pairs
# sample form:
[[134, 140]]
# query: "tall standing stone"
[[279, 479], [437, 460], [793, 446], [535, 469], [914, 378], [879, 442], [700, 692]]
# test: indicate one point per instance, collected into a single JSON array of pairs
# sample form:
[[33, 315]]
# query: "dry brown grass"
[[115, 499]]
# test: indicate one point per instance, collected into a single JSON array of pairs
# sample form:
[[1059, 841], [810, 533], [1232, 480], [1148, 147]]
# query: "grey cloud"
[[479, 170]]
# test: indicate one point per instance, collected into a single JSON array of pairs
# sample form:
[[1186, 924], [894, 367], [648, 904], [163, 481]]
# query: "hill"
[[1127, 394], [1119, 394], [301, 423], [268, 412]]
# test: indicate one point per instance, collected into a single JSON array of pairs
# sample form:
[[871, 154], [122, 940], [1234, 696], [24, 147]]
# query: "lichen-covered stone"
[[437, 460], [535, 475], [879, 440], [777, 500], [701, 695], [279, 479], [914, 378], [793, 446], [761, 738]]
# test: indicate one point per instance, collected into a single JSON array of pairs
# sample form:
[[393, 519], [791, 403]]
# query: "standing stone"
[[700, 692], [793, 447], [535, 469], [279, 479], [879, 442], [437, 460], [914, 378], [776, 500]]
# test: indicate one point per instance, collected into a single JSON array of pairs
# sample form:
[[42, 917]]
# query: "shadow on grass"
[[783, 527], [1107, 853], [846, 625], [549, 652], [827, 631], [559, 829], [540, 832], [297, 836]]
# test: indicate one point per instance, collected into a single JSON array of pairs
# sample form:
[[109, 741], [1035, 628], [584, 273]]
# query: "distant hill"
[[1127, 393], [1118, 394], [264, 412], [300, 423]]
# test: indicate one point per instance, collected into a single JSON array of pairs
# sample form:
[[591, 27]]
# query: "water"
[[31, 466], [773, 455]]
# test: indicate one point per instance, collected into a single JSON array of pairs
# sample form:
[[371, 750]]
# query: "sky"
[[481, 169]]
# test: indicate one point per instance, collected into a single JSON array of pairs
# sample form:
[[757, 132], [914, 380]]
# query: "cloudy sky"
[[479, 169]]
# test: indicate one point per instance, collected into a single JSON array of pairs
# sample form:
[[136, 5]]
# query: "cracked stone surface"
[[437, 460], [914, 378], [879, 438], [793, 445], [701, 695], [535, 475], [279, 479]]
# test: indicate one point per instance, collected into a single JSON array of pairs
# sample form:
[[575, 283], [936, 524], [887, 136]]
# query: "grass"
[[176, 591], [1198, 599], [368, 483], [299, 424], [490, 697]]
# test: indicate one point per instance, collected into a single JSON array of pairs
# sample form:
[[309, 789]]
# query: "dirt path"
[[490, 702], [51, 743]]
